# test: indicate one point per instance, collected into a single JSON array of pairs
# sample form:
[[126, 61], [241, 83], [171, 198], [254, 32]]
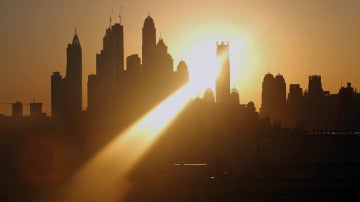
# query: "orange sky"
[[295, 38]]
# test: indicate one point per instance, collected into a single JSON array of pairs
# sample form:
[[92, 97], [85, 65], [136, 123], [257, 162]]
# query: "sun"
[[198, 49]]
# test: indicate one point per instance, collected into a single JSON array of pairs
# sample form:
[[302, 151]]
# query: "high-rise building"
[[315, 87], [273, 97], [17, 109], [72, 88], [110, 60], [148, 44], [223, 77], [163, 60], [182, 73], [280, 90], [295, 93], [133, 67], [56, 79], [267, 102], [66, 93], [110, 69], [234, 97], [35, 109], [133, 63]]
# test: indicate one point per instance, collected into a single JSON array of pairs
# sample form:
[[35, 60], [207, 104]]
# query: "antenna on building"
[[120, 13], [75, 31], [110, 19], [121, 10]]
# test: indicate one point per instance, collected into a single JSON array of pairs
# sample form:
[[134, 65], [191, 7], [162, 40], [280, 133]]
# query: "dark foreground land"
[[205, 155]]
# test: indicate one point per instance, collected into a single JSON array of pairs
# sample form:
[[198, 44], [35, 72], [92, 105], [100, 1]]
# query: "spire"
[[120, 14], [76, 38], [110, 19]]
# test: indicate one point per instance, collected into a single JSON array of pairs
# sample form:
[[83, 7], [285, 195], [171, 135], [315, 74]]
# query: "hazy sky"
[[295, 38]]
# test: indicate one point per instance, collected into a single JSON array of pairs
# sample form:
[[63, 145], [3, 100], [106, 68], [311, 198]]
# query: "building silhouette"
[[128, 92], [182, 73], [314, 109], [223, 77], [148, 44], [56, 80], [66, 93], [273, 97], [17, 109], [234, 97], [35, 110]]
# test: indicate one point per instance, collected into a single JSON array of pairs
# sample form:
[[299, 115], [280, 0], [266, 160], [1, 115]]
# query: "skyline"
[[266, 45]]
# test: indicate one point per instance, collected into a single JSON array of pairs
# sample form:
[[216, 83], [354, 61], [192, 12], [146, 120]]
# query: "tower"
[[315, 87], [109, 80], [223, 77], [267, 101], [148, 44], [56, 79], [73, 79]]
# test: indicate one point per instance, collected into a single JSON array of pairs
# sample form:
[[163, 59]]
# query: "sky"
[[294, 38]]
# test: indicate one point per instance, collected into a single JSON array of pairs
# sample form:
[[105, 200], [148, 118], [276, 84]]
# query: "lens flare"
[[104, 177]]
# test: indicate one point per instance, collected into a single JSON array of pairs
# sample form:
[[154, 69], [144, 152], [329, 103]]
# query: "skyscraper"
[[148, 44], [66, 93], [223, 77], [56, 79], [110, 60], [267, 103], [273, 97], [72, 86], [109, 80], [315, 87]]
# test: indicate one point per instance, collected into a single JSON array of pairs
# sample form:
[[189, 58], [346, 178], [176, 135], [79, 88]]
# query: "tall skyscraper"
[[56, 80], [110, 60], [107, 84], [223, 77], [267, 95], [148, 44], [72, 88], [66, 93]]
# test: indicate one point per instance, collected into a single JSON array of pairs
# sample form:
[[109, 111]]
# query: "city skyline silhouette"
[[252, 37], [181, 104]]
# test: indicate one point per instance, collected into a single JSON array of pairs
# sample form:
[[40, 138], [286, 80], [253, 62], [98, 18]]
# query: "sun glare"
[[198, 49], [105, 174]]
